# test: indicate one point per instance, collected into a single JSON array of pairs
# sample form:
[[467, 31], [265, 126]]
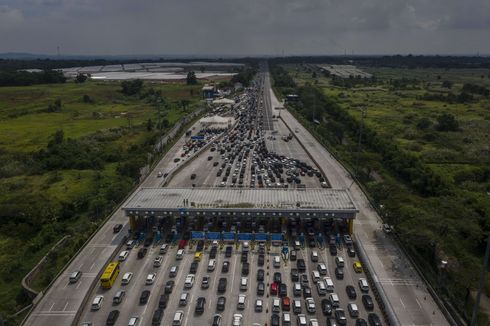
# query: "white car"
[[150, 278], [97, 303], [237, 319], [123, 255], [310, 305], [259, 305], [189, 281], [134, 321], [126, 278], [314, 322]]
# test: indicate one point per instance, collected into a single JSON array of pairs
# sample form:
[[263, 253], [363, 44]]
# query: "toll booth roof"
[[313, 199]]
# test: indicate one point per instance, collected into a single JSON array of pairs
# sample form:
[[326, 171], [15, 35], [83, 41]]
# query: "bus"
[[110, 274]]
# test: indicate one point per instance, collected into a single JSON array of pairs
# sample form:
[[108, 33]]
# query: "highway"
[[252, 149]]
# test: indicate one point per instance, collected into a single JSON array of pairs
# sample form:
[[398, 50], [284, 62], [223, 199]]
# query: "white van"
[[97, 303], [353, 310], [183, 299], [243, 284], [158, 261], [314, 256], [329, 284], [297, 245], [286, 319], [173, 271], [277, 261], [297, 289], [322, 269], [363, 285], [334, 299], [211, 265], [276, 305], [339, 261], [163, 248], [180, 254], [315, 275], [322, 289], [123, 255], [75, 276], [297, 306], [241, 301], [178, 317]]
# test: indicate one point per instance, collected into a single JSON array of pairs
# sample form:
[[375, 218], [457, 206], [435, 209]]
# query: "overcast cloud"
[[244, 27]]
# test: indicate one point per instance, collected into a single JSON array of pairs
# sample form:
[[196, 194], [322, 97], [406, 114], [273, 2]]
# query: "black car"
[[311, 243], [200, 245], [245, 269], [275, 320], [162, 303], [142, 252], [220, 305], [361, 322], [333, 250], [351, 292], [260, 260], [294, 275], [260, 288], [350, 251], [260, 275], [374, 319], [226, 267], [112, 318], [339, 273], [200, 305], [157, 317], [340, 316], [300, 264], [277, 278], [193, 268], [283, 290], [244, 257], [367, 301], [306, 291], [222, 285], [169, 286], [193, 176], [228, 251], [116, 229], [144, 296], [326, 307], [212, 253], [148, 241]]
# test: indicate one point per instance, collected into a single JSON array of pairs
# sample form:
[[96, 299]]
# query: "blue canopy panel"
[[276, 237], [228, 236], [197, 235], [213, 236], [245, 236], [260, 237]]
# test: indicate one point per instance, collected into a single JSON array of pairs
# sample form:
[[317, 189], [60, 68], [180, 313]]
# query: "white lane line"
[[92, 266], [420, 306], [78, 285], [51, 308], [66, 305], [402, 303]]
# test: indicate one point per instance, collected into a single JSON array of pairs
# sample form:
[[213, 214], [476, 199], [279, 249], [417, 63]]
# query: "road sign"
[[228, 236], [260, 236], [213, 236], [197, 235], [276, 236], [244, 236]]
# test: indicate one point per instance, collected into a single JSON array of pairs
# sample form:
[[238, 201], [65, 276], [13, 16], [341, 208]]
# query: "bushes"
[[24, 78]]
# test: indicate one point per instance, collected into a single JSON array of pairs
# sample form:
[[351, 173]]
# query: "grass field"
[[39, 205], [403, 107]]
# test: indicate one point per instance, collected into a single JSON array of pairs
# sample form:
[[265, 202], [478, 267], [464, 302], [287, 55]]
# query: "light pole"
[[482, 282], [363, 114]]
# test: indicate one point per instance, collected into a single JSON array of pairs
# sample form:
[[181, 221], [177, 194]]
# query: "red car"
[[273, 289], [182, 244]]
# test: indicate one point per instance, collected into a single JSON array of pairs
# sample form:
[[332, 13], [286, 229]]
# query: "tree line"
[[25, 78]]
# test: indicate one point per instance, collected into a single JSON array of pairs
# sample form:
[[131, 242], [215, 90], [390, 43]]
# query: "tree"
[[191, 78], [447, 122], [447, 84], [423, 123], [86, 99], [184, 104], [80, 78], [149, 125], [131, 87]]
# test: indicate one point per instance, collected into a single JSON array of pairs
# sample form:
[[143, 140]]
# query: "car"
[[193, 176], [260, 275], [159, 174], [301, 320], [260, 288], [294, 275], [193, 268], [127, 278], [374, 319], [363, 285], [205, 282], [273, 289], [145, 295], [213, 252], [200, 305], [222, 285], [237, 320], [118, 297], [300, 265], [333, 250], [245, 269], [260, 260], [361, 322], [351, 252], [259, 305], [150, 279], [340, 316], [112, 318], [293, 255], [306, 291], [347, 239], [123, 255], [339, 273], [353, 310], [310, 305], [387, 228], [216, 321], [277, 278], [244, 257], [314, 256], [142, 252], [275, 320], [134, 321], [304, 279], [158, 261], [221, 303], [163, 301], [368, 302], [148, 241], [169, 286], [117, 228], [357, 267], [283, 290], [164, 248], [228, 251], [226, 267], [189, 281], [326, 307], [351, 292]]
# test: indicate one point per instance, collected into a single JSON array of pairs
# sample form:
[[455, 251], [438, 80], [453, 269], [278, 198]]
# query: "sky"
[[245, 27]]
